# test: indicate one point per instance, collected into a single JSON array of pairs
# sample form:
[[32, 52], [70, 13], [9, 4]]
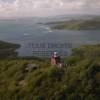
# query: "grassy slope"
[[80, 80]]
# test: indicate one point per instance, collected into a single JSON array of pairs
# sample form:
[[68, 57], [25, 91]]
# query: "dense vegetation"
[[77, 25], [79, 80], [8, 49]]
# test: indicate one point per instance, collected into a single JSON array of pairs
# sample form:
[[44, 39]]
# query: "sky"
[[19, 8]]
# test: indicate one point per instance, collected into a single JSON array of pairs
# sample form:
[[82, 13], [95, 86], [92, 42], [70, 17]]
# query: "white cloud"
[[10, 8]]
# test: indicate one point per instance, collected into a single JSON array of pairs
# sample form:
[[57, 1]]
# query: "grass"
[[79, 80]]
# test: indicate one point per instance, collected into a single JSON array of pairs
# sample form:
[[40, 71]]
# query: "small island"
[[8, 49], [92, 24]]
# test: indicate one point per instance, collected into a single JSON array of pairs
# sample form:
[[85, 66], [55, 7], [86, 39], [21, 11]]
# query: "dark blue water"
[[26, 32]]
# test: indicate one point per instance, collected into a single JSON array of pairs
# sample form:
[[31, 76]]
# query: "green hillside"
[[77, 25], [8, 49], [79, 80]]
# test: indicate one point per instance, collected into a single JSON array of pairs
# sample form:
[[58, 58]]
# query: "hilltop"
[[79, 80]]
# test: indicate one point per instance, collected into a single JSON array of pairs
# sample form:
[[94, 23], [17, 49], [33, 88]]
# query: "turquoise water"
[[30, 31]]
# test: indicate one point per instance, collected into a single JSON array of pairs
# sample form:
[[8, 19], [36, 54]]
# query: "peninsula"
[[92, 24]]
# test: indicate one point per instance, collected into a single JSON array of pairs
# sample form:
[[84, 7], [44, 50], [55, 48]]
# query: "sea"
[[38, 39]]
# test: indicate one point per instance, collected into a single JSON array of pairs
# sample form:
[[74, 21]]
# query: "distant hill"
[[8, 49], [79, 24]]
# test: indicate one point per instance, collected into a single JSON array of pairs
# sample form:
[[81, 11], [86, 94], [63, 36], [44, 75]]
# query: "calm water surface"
[[26, 32]]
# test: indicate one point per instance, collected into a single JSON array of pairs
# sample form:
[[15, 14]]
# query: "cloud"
[[10, 8]]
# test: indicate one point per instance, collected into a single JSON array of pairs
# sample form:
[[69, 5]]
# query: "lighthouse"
[[55, 59]]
